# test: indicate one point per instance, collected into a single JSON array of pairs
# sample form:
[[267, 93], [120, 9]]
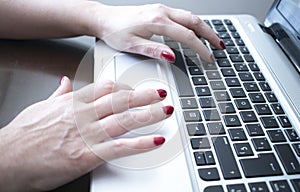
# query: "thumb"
[[65, 87]]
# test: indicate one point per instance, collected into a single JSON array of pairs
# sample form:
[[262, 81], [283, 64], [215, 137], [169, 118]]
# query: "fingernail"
[[158, 140], [162, 93], [222, 44], [61, 80], [212, 58], [168, 110], [168, 56]]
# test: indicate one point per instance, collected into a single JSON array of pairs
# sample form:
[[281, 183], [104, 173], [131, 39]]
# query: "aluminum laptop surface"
[[178, 166]]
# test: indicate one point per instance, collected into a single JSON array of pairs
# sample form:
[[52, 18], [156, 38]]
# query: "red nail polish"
[[61, 80], [162, 93], [158, 140], [168, 56], [222, 44], [168, 110]]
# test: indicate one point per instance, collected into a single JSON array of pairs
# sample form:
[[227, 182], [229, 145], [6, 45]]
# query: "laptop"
[[236, 124]]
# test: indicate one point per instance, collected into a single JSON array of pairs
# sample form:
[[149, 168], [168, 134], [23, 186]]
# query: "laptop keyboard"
[[241, 131]]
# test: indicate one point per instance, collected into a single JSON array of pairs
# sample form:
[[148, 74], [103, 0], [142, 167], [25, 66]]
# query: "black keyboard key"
[[228, 42], [188, 103], [192, 61], [259, 76], [223, 63], [196, 129], [227, 22], [216, 128], [199, 158], [243, 149], [288, 158], [236, 58], [221, 96], [258, 187], [264, 165], [217, 85], [226, 158], [232, 120], [263, 109], [224, 35], [200, 143], [242, 104], [241, 67], [232, 82], [219, 54], [237, 187], [235, 35], [207, 102], [209, 66], [220, 28], [195, 71], [248, 116], [271, 97], [244, 50], [240, 42], [251, 87], [203, 91], [209, 158], [228, 72], [226, 108], [276, 136], [246, 76], [237, 134], [209, 174], [292, 135], [211, 115], [257, 98], [192, 116], [261, 144], [297, 148], [269, 122], [232, 50], [254, 67], [213, 75], [254, 130], [237, 92], [284, 121], [199, 80], [265, 86], [248, 58], [280, 186], [217, 22], [277, 108], [217, 188], [184, 87], [296, 184]]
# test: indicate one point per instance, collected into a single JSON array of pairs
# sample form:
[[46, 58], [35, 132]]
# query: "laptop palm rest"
[[154, 168]]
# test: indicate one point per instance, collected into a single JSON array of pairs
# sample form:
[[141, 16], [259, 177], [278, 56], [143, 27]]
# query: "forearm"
[[47, 18]]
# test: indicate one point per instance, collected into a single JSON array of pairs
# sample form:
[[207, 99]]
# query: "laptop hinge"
[[286, 43]]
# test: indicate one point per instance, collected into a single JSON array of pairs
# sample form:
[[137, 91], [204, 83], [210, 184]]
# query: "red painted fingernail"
[[61, 80], [168, 110], [168, 56], [158, 140], [222, 44], [162, 93]]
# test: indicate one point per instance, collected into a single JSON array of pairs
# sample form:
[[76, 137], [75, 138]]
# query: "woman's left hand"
[[129, 29]]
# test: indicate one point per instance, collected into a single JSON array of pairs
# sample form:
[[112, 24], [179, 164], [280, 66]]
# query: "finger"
[[127, 146], [183, 35], [118, 124], [193, 22], [99, 89], [123, 100], [151, 49], [65, 87]]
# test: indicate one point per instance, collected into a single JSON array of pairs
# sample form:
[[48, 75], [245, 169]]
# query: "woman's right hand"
[[59, 139]]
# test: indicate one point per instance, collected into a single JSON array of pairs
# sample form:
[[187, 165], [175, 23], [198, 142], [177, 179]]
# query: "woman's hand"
[[129, 28], [57, 140]]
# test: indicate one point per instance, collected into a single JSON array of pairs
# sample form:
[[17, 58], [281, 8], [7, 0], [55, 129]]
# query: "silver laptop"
[[236, 125]]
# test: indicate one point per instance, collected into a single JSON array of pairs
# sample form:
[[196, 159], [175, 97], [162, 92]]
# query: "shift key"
[[226, 158]]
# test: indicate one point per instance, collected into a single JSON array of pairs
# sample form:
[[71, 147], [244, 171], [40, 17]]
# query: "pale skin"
[[72, 132]]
